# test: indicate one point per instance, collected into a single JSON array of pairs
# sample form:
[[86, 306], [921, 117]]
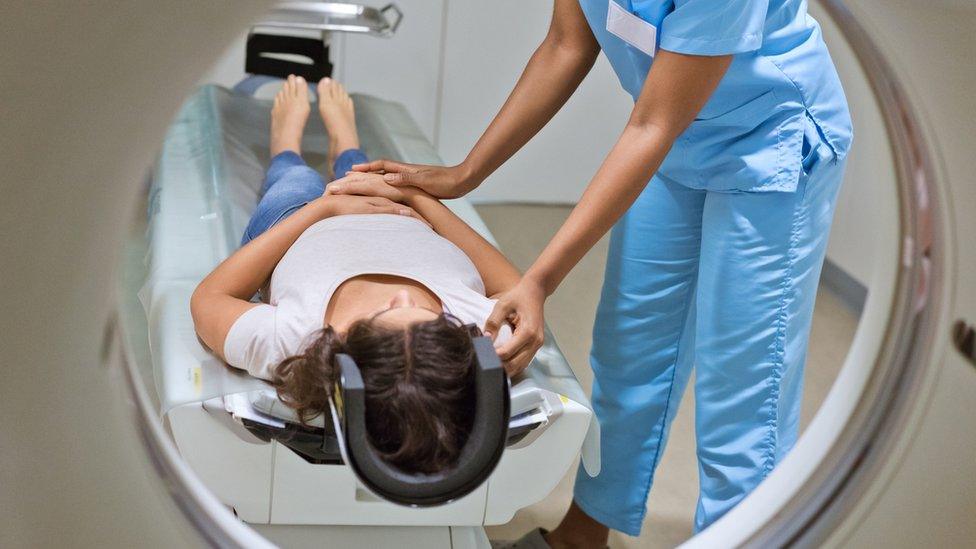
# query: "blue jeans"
[[289, 185]]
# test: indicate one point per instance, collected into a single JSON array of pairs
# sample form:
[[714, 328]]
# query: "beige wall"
[[487, 46]]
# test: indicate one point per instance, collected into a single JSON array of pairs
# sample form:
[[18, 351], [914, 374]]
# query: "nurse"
[[720, 192]]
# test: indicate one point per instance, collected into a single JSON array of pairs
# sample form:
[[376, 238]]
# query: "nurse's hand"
[[439, 181], [522, 307]]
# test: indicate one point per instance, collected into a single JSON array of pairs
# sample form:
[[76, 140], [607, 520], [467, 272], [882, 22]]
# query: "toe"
[[301, 88], [324, 87]]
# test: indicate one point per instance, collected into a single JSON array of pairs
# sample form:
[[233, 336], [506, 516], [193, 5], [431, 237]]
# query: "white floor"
[[522, 231]]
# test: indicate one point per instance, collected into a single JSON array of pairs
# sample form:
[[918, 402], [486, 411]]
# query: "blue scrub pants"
[[725, 281], [289, 185]]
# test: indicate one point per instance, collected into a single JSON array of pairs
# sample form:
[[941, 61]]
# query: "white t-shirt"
[[339, 248]]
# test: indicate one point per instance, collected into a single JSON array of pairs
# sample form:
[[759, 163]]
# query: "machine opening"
[[292, 482], [121, 428]]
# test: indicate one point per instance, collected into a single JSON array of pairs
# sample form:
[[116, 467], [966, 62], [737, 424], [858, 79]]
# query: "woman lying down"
[[391, 277]]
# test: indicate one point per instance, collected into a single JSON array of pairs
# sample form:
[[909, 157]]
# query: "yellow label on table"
[[196, 375]]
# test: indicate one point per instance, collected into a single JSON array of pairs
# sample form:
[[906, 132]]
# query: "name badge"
[[631, 29]]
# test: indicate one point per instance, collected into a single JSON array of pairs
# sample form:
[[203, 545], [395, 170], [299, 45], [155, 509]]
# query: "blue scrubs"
[[716, 264]]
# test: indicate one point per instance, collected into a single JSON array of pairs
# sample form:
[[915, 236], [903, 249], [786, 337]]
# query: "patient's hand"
[[371, 184], [348, 205]]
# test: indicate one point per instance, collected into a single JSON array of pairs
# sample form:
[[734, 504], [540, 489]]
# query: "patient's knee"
[[300, 180]]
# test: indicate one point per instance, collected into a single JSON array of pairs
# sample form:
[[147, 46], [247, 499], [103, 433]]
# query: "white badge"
[[631, 29]]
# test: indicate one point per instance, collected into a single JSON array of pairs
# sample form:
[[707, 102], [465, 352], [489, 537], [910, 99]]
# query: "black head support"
[[477, 460]]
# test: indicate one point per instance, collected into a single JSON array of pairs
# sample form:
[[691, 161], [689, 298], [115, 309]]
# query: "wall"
[[488, 44]]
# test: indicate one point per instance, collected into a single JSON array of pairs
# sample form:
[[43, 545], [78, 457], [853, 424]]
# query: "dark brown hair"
[[419, 387]]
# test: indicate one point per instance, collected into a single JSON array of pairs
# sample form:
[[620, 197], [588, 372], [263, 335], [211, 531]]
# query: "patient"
[[390, 277]]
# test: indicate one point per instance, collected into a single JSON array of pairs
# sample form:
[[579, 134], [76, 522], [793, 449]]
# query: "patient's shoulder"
[[251, 343], [472, 307]]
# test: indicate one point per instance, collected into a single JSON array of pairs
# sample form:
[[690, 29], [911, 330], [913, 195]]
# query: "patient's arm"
[[496, 270], [224, 295]]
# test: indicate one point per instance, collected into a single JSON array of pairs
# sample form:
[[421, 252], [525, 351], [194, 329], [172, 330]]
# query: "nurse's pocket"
[[813, 149], [735, 149], [747, 114]]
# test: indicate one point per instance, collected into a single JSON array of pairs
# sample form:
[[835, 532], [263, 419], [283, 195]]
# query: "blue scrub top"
[[749, 135]]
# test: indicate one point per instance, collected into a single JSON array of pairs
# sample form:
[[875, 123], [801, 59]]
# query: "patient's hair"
[[419, 385]]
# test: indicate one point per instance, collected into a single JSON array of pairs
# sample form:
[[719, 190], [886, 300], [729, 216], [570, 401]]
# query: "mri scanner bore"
[[370, 286], [359, 363]]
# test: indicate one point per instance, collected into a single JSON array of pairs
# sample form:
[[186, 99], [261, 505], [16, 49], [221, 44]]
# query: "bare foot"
[[289, 115], [339, 117]]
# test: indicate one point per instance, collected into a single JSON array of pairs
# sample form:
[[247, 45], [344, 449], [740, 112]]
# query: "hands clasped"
[[437, 181], [365, 193]]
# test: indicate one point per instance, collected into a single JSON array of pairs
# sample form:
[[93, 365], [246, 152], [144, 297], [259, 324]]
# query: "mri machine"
[[85, 459]]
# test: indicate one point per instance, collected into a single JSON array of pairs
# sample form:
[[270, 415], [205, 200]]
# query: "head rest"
[[477, 460]]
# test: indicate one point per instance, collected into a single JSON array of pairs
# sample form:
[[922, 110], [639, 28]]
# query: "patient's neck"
[[365, 295]]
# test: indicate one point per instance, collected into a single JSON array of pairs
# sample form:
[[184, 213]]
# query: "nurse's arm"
[[552, 74], [675, 90]]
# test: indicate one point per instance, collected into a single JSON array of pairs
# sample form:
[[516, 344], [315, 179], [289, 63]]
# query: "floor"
[[522, 231]]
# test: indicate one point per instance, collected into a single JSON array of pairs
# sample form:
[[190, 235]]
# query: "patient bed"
[[204, 187]]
